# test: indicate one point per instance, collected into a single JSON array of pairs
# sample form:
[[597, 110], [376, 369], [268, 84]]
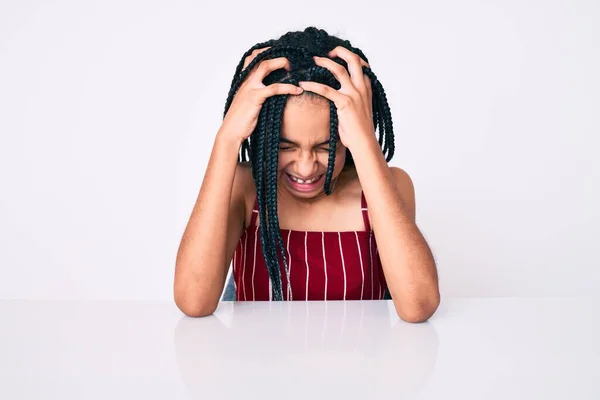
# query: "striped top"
[[323, 265]]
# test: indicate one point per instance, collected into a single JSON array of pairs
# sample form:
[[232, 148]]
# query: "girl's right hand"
[[242, 116]]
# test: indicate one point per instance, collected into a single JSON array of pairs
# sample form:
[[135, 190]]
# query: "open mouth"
[[304, 186]]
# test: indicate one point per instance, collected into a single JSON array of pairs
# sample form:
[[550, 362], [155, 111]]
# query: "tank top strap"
[[363, 205], [254, 212]]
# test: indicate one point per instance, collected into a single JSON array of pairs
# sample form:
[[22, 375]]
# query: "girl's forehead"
[[305, 123]]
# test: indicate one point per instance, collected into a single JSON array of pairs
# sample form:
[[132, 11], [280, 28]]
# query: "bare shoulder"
[[402, 178]]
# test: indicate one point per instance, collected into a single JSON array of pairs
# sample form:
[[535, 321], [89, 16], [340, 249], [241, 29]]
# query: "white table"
[[471, 349]]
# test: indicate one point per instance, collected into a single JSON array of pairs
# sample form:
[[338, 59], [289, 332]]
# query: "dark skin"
[[408, 264]]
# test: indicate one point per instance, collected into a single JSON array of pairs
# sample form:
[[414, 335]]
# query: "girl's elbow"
[[414, 316], [194, 306], [420, 311], [197, 312]]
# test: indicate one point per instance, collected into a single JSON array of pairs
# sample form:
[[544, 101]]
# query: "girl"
[[309, 210]]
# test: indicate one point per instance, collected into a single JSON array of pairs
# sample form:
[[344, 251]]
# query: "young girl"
[[309, 210]]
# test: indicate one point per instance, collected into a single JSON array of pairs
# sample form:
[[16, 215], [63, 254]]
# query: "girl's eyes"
[[290, 148]]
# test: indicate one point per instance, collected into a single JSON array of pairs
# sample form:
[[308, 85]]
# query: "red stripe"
[[341, 243], [362, 266], [289, 259], [316, 287], [284, 281], [254, 263], [335, 274], [352, 246]]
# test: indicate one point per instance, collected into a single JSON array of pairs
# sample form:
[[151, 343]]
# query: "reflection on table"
[[302, 349]]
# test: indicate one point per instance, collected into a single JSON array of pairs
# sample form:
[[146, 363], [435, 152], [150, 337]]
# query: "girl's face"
[[304, 147]]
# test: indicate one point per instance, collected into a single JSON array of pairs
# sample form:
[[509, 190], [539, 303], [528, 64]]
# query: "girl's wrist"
[[228, 139]]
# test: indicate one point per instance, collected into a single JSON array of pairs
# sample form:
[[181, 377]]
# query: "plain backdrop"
[[108, 111]]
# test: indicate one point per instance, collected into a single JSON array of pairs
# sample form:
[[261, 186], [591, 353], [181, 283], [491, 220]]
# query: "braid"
[[271, 196], [389, 128], [384, 115], [261, 148], [270, 193], [333, 136], [258, 173], [272, 162]]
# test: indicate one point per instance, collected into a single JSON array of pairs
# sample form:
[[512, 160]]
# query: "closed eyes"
[[290, 148], [286, 144]]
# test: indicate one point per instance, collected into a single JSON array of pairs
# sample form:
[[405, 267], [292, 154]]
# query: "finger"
[[268, 66], [355, 64], [337, 70], [253, 55], [347, 55], [279, 88], [326, 91]]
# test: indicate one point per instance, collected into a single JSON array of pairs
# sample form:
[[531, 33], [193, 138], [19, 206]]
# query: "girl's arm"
[[217, 220], [408, 264], [212, 232]]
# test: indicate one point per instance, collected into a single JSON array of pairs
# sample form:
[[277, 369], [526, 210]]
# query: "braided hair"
[[261, 148]]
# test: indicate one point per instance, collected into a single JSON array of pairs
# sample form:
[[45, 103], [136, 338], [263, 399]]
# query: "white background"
[[108, 111]]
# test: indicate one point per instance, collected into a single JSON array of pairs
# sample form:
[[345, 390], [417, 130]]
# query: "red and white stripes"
[[322, 265]]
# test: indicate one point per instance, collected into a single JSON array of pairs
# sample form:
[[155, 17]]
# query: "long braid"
[[258, 172], [272, 162], [386, 129], [333, 137], [389, 127], [380, 113], [271, 196], [261, 148]]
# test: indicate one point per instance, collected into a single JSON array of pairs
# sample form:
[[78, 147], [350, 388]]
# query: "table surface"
[[487, 348]]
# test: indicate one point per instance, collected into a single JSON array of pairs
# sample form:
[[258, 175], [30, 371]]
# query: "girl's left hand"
[[353, 100]]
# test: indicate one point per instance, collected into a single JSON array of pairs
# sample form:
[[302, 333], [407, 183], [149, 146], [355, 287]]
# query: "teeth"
[[303, 181]]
